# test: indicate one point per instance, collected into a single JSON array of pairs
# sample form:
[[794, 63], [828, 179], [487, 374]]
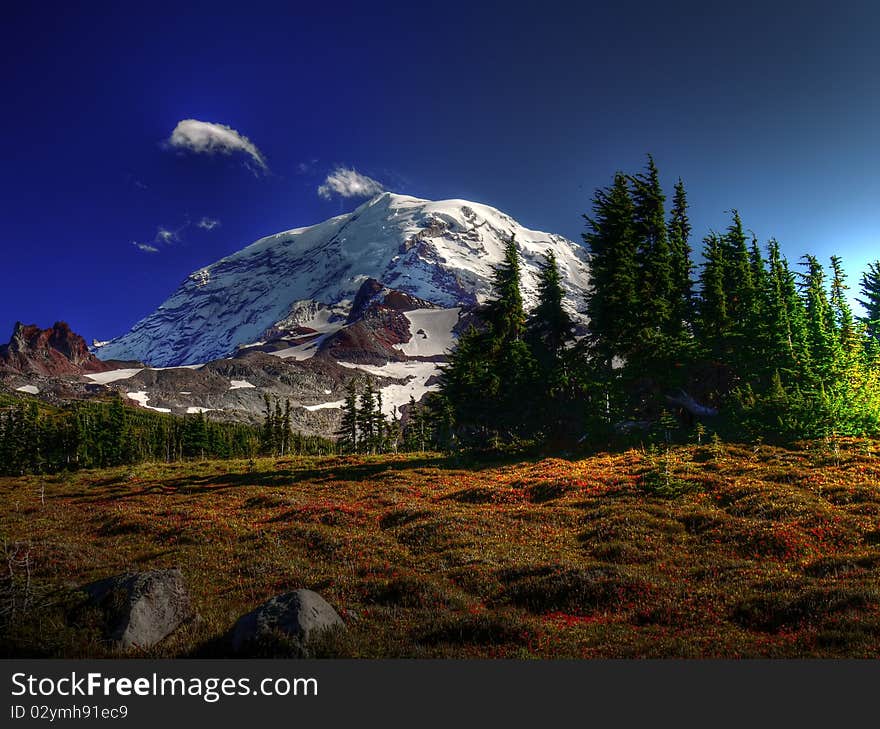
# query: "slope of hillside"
[[724, 551]]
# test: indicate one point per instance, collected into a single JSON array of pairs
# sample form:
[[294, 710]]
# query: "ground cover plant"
[[713, 550]]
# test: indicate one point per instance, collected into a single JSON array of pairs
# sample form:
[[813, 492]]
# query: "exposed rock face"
[[375, 325], [49, 352], [286, 623], [374, 296], [142, 608]]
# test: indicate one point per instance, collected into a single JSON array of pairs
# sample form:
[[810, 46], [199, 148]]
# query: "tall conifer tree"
[[680, 250], [613, 303]]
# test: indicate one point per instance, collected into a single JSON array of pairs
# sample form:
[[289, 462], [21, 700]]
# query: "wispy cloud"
[[348, 182], [207, 223], [166, 236], [163, 235], [204, 137]]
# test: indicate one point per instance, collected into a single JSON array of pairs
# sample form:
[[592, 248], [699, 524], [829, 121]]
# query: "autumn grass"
[[730, 551]]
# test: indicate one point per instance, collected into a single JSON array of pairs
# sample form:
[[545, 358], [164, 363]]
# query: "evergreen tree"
[[285, 428], [267, 436], [195, 436], [278, 430], [348, 429], [842, 315], [613, 303], [741, 297], [656, 263], [870, 291], [512, 367], [550, 326], [467, 383], [761, 344], [782, 358], [550, 331], [714, 319], [821, 334], [489, 380], [796, 313], [505, 311], [679, 229], [416, 431], [369, 420]]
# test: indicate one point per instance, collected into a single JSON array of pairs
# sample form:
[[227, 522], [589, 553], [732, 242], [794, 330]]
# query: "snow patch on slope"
[[415, 376], [325, 406], [105, 378], [431, 331], [142, 397], [240, 385], [299, 352]]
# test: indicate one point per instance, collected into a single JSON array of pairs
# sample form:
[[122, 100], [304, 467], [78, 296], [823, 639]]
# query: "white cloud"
[[163, 235], [347, 182], [209, 138], [207, 223]]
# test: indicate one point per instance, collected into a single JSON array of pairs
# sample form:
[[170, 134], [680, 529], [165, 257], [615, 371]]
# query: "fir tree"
[[550, 326], [870, 290], [550, 331], [679, 229], [714, 319], [489, 380], [284, 426], [348, 429], [740, 294], [821, 334], [368, 420], [656, 263], [267, 438], [841, 312], [505, 311], [613, 303], [278, 430]]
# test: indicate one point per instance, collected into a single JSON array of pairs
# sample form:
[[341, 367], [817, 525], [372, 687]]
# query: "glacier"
[[441, 251]]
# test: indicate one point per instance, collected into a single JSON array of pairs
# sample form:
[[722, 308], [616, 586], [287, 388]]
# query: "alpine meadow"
[[638, 448]]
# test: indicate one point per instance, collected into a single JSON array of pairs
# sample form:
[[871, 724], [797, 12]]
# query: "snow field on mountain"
[[299, 352], [415, 375], [105, 378], [240, 385], [431, 331], [142, 397], [325, 406]]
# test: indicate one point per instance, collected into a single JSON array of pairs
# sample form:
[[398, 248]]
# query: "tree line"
[[37, 438], [744, 343]]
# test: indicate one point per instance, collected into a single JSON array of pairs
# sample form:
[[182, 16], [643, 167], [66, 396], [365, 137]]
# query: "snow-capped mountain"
[[442, 252]]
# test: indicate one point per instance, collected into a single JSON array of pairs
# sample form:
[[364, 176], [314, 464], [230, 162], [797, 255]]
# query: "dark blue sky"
[[773, 111]]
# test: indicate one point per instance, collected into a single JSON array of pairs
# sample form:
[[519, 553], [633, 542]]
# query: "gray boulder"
[[141, 608], [287, 623]]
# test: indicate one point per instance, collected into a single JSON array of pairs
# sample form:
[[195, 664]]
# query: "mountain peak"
[[53, 351], [443, 252]]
